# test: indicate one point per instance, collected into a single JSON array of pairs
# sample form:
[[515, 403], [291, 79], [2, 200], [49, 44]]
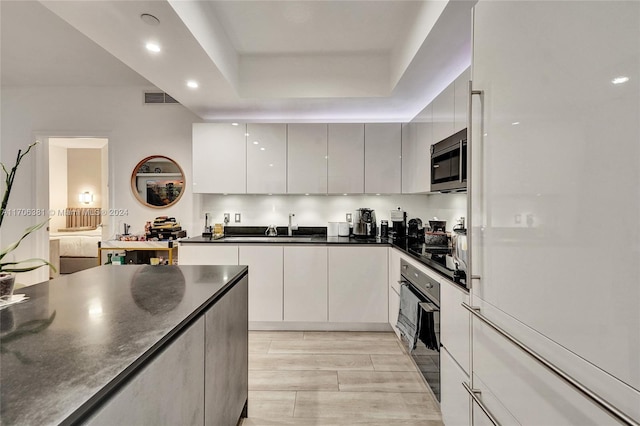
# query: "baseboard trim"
[[318, 326]]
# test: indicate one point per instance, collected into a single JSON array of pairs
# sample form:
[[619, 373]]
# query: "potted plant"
[[9, 268]]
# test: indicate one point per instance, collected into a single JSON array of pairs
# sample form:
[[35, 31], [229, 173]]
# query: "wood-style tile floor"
[[335, 378]]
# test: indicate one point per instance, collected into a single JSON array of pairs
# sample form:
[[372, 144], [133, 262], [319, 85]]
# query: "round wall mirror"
[[157, 181]]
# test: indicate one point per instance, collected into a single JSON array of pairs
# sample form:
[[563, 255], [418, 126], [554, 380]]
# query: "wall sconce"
[[85, 197]]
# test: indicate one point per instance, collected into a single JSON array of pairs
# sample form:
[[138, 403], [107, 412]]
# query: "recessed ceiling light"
[[256, 142], [377, 194], [153, 47], [620, 80], [345, 194], [306, 193], [149, 19], [515, 123], [234, 124], [270, 165], [192, 84], [262, 149], [246, 134]]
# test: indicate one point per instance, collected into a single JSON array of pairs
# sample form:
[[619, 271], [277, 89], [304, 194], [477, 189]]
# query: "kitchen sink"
[[282, 239]]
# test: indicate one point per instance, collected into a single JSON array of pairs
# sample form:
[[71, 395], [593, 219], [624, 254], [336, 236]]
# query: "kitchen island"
[[131, 344]]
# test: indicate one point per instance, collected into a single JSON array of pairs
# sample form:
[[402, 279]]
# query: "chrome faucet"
[[291, 226]]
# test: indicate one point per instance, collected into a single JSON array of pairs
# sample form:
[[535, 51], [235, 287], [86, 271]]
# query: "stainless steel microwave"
[[449, 164]]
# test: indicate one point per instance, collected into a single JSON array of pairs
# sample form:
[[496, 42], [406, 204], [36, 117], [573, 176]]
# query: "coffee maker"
[[364, 223], [398, 224]]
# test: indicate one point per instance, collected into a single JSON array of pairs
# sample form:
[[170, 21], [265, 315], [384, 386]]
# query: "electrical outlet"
[[237, 218], [348, 217], [227, 217]]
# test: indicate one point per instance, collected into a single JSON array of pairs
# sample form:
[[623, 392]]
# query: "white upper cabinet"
[[461, 99], [409, 157], [266, 158], [443, 114], [219, 158], [382, 153], [424, 140], [307, 159], [346, 158]]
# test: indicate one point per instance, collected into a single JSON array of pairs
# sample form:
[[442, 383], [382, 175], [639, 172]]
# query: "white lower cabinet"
[[454, 322], [454, 398], [305, 283], [266, 281], [394, 288], [358, 284], [394, 308], [208, 254]]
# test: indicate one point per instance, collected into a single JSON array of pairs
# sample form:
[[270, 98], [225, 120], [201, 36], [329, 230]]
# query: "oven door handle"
[[429, 307]]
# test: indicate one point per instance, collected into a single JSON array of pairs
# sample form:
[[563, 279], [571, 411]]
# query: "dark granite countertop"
[[80, 335], [284, 239]]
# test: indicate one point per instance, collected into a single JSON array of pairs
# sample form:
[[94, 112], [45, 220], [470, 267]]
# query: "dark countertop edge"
[[315, 241], [84, 412], [417, 258]]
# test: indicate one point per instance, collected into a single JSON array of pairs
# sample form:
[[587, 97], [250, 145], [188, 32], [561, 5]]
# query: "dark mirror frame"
[[163, 200]]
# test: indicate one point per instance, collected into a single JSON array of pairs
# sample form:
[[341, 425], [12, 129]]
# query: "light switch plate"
[[348, 217], [227, 217], [237, 217]]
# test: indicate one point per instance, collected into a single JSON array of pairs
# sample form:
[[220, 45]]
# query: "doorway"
[[78, 192]]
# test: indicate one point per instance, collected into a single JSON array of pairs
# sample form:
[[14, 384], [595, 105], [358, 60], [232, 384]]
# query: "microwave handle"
[[461, 140]]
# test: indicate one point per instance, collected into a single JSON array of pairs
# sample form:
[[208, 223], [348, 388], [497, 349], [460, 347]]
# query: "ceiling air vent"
[[158, 98]]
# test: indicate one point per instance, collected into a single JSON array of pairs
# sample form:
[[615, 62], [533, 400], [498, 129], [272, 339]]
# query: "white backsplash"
[[317, 210]]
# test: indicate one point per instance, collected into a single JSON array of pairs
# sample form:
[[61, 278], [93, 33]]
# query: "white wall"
[[317, 210], [134, 131], [57, 184], [83, 175]]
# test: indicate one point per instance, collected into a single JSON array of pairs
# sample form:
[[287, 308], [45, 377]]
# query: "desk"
[[113, 245]]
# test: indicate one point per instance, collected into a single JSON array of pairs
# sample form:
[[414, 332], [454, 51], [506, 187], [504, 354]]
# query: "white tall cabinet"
[[219, 158], [346, 158], [307, 158], [461, 100], [382, 156], [443, 113], [266, 158], [557, 154]]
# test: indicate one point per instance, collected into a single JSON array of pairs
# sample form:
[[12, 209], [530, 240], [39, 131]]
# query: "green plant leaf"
[[4, 268], [27, 231]]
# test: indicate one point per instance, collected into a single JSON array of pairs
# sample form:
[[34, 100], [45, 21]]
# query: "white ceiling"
[[325, 60]]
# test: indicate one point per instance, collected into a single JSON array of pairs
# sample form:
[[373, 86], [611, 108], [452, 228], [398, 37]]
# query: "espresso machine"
[[364, 223], [398, 224]]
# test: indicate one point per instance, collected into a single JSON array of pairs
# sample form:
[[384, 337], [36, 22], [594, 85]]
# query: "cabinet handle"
[[435, 166], [470, 178], [474, 394], [460, 168]]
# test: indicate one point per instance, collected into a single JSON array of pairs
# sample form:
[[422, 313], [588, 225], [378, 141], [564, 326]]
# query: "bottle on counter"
[[109, 255]]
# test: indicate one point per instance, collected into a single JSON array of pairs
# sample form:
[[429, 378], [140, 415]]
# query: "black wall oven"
[[426, 348], [449, 164]]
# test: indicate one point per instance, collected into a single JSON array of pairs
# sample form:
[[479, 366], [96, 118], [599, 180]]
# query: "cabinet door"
[[461, 99], [424, 140], [219, 158], [454, 399], [579, 289], [394, 308], [226, 358], [307, 158], [454, 322], [346, 158], [266, 283], [208, 254], [382, 153], [305, 283], [394, 287], [409, 157], [168, 391], [266, 158], [358, 284], [443, 114]]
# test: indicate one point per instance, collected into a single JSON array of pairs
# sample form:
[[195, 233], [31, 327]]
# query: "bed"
[[79, 239]]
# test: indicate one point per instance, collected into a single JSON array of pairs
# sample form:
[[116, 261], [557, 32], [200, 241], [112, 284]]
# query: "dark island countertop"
[[78, 337], [284, 239]]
